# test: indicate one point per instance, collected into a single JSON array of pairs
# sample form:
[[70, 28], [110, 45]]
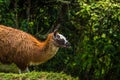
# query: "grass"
[[36, 76], [10, 72]]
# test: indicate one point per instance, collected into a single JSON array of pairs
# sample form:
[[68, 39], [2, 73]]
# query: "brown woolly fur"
[[23, 49]]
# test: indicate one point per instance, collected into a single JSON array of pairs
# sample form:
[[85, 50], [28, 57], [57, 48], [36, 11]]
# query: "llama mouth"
[[67, 45]]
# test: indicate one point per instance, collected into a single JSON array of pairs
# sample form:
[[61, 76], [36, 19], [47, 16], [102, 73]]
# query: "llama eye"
[[58, 37]]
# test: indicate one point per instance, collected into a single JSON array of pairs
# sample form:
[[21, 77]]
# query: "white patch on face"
[[62, 37]]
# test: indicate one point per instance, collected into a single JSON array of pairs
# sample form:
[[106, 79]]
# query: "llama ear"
[[56, 29]]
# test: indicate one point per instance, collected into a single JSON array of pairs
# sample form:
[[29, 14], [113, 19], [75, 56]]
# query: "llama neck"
[[50, 49], [45, 52]]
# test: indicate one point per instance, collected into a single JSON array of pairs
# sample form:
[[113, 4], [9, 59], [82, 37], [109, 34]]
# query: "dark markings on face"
[[60, 39]]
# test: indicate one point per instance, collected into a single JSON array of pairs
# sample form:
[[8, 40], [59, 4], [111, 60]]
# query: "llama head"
[[59, 39]]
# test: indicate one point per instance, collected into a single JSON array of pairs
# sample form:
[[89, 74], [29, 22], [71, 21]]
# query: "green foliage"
[[99, 45], [92, 27]]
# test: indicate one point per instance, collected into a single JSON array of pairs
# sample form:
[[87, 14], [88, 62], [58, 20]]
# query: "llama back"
[[16, 46]]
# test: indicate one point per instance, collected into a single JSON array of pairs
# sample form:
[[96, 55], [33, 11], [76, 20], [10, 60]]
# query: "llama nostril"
[[68, 45]]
